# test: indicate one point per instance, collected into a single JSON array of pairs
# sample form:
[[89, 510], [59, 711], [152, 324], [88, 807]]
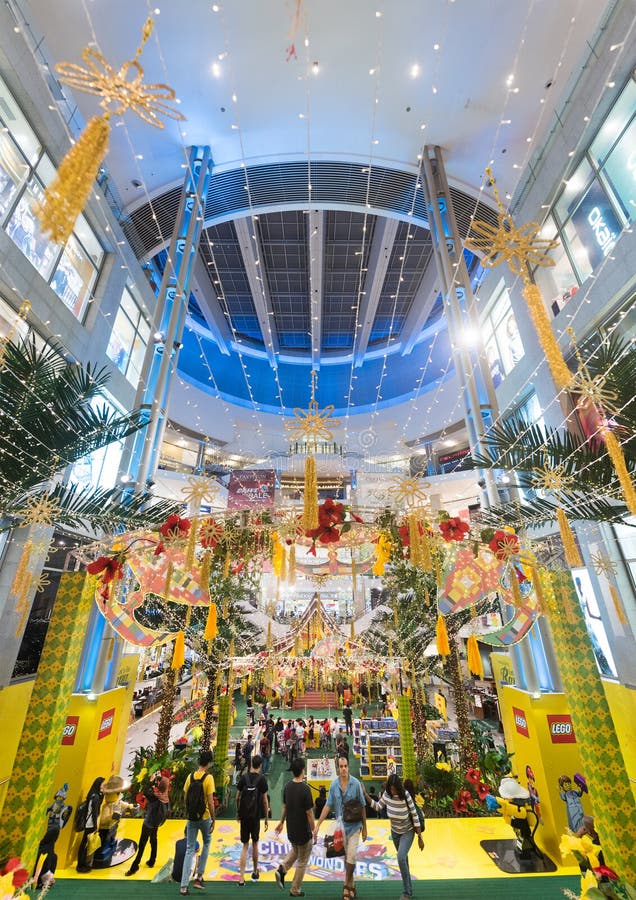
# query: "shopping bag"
[[334, 843], [93, 843]]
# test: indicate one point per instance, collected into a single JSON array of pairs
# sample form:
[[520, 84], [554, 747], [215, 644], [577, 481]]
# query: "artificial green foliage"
[[49, 419], [222, 745], [517, 446]]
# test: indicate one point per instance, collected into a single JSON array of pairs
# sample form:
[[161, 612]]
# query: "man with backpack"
[[201, 816], [251, 802]]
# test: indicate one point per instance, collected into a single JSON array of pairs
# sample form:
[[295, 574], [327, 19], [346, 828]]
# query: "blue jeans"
[[403, 843], [192, 829]]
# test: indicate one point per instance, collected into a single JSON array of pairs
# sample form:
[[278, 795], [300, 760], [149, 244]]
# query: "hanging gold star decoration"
[[521, 248], [42, 582], [591, 388], [198, 490], [603, 565], [410, 491], [320, 580], [310, 424], [552, 478], [119, 90], [41, 510]]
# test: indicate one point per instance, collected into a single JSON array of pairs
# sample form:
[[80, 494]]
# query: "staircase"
[[316, 700]]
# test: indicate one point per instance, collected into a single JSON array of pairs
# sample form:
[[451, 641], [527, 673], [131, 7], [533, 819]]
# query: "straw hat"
[[115, 785]]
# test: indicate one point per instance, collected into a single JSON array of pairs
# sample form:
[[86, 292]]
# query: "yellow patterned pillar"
[[603, 763], [23, 815]]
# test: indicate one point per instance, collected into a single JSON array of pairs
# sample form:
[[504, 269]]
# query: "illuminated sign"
[[106, 725], [521, 723], [70, 730], [561, 729]]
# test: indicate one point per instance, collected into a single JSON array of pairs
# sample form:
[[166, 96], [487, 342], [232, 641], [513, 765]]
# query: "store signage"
[[250, 488], [521, 723], [561, 730], [596, 224], [106, 725], [448, 462], [69, 731]]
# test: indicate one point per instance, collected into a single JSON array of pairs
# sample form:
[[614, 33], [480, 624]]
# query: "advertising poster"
[[251, 488], [74, 277]]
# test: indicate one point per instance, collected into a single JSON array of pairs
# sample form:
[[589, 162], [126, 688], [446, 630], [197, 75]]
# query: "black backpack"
[[250, 794], [81, 815], [196, 804]]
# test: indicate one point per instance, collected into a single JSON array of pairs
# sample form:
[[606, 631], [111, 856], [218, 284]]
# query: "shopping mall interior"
[[317, 382]]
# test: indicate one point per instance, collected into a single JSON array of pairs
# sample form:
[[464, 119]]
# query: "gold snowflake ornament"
[[410, 491], [603, 565], [310, 424], [198, 490], [123, 89], [40, 511], [553, 478], [519, 247]]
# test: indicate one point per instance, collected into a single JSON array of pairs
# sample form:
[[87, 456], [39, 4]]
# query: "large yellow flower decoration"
[[519, 247]]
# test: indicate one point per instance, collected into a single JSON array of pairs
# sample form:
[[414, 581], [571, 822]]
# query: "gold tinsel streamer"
[[618, 461], [310, 496], [618, 605], [354, 577], [211, 626], [188, 616], [192, 540], [226, 564], [226, 610], [205, 569], [441, 637], [395, 616], [537, 584], [277, 556], [425, 552], [168, 582], [352, 632], [66, 197], [438, 570], [560, 372], [514, 586], [283, 563], [178, 654], [291, 568], [572, 555], [415, 547], [268, 639], [20, 573], [475, 664]]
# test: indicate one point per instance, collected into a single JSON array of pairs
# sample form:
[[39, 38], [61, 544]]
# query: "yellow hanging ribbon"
[[205, 570], [572, 555], [618, 461], [441, 637], [178, 654], [310, 495], [168, 582], [475, 664], [211, 626]]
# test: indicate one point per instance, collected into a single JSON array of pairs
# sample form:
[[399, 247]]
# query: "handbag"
[[352, 810]]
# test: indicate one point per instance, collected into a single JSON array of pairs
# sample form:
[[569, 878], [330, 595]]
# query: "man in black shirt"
[[251, 803], [298, 811], [348, 717]]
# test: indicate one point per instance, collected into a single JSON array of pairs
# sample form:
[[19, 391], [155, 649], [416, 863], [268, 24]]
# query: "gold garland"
[[310, 496], [572, 555], [549, 344], [618, 461]]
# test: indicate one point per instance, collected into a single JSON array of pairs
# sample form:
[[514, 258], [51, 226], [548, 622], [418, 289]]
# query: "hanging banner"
[[249, 488]]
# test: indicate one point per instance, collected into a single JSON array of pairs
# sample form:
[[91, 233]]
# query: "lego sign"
[[561, 730], [521, 723], [106, 725], [70, 730]]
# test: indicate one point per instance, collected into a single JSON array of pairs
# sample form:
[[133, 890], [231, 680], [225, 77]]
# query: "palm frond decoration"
[[51, 417], [592, 491]]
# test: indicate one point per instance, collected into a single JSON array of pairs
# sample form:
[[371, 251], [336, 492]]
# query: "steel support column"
[[478, 391], [170, 315]]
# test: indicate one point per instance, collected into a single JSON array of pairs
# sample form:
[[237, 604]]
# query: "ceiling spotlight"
[[315, 67], [415, 70]]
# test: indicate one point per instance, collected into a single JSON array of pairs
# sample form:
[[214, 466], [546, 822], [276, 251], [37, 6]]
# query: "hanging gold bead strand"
[[120, 90]]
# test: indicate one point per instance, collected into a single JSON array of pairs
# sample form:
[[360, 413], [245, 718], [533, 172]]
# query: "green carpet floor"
[[524, 888]]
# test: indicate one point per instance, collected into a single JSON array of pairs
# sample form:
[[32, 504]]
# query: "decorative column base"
[[604, 766], [31, 786]]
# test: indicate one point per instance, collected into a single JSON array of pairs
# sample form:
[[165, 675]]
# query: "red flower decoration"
[[141, 800], [605, 872], [504, 545], [330, 515], [210, 533], [174, 527], [111, 566], [20, 874], [454, 529], [482, 791], [459, 805], [473, 776]]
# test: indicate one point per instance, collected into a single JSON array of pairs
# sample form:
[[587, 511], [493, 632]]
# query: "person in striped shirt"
[[405, 824]]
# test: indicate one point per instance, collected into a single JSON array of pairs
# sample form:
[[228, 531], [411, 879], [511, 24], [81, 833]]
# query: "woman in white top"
[[405, 824]]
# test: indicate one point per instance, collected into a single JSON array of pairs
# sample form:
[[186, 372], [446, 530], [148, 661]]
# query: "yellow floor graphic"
[[452, 850]]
